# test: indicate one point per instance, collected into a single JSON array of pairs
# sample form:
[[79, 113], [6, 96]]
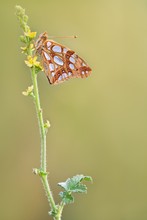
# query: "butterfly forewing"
[[59, 62]]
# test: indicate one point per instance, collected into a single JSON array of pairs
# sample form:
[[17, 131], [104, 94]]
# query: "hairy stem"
[[43, 173], [40, 121]]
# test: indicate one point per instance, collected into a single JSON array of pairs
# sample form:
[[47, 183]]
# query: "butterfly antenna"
[[74, 36]]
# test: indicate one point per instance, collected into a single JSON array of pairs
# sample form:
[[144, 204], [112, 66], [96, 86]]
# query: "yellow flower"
[[30, 34], [32, 61]]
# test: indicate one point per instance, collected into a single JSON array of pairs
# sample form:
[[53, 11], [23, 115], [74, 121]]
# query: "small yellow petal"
[[31, 34], [25, 93], [23, 48], [29, 91], [31, 46], [28, 63], [34, 59]]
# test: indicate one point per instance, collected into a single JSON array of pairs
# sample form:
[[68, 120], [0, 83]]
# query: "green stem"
[[40, 121], [48, 192], [43, 173]]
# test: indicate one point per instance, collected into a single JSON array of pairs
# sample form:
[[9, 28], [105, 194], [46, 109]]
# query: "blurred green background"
[[98, 125]]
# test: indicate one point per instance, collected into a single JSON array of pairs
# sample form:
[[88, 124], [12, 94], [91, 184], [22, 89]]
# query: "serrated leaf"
[[80, 188], [66, 197], [74, 184], [77, 178], [80, 178], [63, 185]]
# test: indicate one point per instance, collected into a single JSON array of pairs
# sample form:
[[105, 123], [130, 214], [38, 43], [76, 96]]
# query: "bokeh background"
[[98, 125]]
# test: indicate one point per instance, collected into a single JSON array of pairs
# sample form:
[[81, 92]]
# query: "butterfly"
[[59, 62]]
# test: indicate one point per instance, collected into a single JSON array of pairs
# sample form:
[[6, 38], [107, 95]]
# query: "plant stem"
[[40, 121], [43, 173]]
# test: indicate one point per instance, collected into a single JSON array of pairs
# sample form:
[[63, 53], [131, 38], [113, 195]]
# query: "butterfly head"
[[40, 42]]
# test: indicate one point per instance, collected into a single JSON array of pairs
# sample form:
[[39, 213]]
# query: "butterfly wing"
[[60, 63], [79, 67]]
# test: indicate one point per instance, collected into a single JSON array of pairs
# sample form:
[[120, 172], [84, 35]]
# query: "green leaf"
[[73, 185], [67, 198]]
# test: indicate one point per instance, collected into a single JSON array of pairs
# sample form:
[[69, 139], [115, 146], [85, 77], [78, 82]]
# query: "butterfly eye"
[[58, 60]]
